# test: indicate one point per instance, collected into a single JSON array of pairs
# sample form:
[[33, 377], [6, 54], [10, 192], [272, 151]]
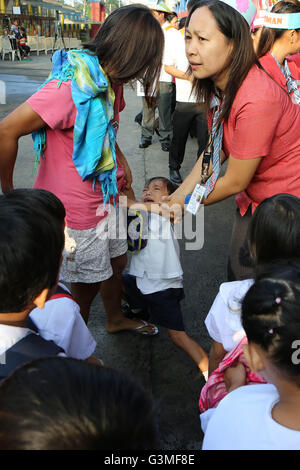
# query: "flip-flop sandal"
[[138, 331]]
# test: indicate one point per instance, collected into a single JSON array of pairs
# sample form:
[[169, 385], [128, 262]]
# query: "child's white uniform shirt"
[[60, 321], [10, 335], [243, 421], [157, 266], [223, 321]]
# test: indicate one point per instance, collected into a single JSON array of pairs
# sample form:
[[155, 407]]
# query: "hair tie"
[[278, 300], [271, 331]]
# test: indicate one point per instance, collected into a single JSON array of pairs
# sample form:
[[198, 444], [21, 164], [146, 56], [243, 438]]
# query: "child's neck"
[[15, 319], [287, 411]]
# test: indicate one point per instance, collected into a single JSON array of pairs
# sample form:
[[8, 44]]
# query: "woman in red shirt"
[[274, 47], [253, 119]]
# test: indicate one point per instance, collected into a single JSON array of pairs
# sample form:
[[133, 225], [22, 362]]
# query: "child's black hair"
[[31, 244], [40, 411], [39, 199], [271, 315], [274, 231], [171, 187]]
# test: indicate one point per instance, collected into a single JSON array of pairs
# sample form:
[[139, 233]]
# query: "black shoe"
[[144, 143], [165, 146], [138, 118], [175, 176]]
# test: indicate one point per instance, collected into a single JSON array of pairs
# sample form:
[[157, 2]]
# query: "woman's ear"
[[292, 36], [40, 299], [254, 357]]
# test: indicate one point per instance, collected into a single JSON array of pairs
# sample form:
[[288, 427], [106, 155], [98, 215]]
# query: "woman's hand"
[[173, 206]]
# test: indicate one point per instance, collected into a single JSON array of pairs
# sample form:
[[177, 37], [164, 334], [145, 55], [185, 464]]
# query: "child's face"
[[155, 191]]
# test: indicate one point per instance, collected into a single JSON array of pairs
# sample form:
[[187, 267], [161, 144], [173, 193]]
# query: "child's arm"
[[216, 355], [235, 376], [152, 207]]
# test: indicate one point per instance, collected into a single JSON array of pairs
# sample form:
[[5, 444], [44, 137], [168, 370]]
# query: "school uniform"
[[243, 421], [19, 345], [270, 65], [61, 321], [154, 279]]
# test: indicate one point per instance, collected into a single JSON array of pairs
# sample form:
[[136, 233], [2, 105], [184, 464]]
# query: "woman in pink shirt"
[[127, 47], [274, 47], [254, 124]]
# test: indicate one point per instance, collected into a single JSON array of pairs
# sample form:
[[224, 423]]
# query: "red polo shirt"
[[270, 65], [264, 122]]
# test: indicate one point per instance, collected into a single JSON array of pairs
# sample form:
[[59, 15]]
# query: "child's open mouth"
[[148, 199]]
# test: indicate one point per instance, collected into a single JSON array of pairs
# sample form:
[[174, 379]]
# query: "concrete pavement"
[[154, 361]]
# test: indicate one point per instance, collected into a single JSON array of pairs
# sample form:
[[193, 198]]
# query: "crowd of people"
[[236, 77]]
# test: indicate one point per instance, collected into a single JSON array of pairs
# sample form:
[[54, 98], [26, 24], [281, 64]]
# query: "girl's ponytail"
[[271, 315]]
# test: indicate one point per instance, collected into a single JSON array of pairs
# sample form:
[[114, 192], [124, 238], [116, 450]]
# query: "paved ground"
[[155, 362]]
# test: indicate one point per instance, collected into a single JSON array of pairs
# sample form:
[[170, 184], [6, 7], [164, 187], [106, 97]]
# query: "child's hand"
[[127, 198], [235, 376]]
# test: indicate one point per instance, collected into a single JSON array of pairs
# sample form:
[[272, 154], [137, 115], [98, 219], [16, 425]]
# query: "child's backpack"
[[137, 231], [31, 347]]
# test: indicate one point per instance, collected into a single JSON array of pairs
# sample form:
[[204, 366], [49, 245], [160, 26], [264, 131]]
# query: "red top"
[[270, 65], [264, 122]]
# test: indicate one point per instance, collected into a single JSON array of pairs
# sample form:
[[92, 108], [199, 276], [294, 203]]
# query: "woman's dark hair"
[[182, 22], [31, 244], [129, 45], [270, 316], [67, 404], [171, 187], [269, 36], [236, 29], [169, 16], [39, 199], [274, 231]]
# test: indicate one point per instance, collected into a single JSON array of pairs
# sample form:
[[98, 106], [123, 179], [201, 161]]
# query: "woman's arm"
[[238, 175], [22, 121], [237, 178], [175, 72], [124, 163]]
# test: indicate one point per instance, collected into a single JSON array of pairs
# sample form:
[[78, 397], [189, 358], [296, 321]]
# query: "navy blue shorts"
[[163, 307]]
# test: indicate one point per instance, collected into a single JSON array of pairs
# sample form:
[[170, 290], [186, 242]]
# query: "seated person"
[[22, 43]]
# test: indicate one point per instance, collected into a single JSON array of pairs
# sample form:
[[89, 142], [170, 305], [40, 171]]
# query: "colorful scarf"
[[94, 137], [215, 146]]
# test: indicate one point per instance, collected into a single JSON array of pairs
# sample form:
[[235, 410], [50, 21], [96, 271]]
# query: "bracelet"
[[187, 199]]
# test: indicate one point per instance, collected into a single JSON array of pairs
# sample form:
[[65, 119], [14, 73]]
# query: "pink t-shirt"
[[263, 122], [57, 172]]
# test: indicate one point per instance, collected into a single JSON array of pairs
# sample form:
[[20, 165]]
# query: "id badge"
[[196, 198]]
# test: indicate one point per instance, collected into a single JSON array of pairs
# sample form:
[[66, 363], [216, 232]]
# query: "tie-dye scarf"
[[94, 137]]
